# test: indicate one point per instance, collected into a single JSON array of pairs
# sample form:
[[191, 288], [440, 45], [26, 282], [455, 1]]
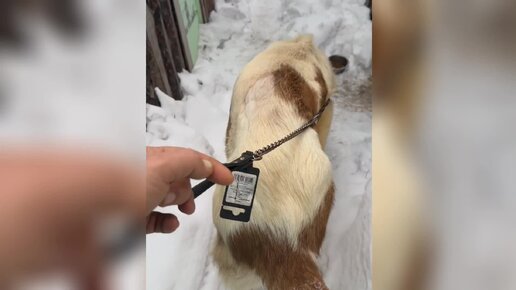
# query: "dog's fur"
[[278, 91]]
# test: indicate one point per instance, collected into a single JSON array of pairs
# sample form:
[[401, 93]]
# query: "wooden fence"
[[165, 47]]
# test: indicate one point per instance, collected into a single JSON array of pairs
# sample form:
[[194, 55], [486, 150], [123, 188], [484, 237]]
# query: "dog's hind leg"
[[234, 275], [279, 265]]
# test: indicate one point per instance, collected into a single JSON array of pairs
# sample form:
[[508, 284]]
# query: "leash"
[[131, 235], [248, 157]]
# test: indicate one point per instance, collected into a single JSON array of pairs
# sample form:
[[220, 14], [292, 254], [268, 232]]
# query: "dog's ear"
[[305, 39]]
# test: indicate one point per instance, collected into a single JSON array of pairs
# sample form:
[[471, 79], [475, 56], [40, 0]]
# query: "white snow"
[[238, 31]]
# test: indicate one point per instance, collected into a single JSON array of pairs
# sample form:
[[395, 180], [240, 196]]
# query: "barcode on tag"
[[246, 179], [241, 191]]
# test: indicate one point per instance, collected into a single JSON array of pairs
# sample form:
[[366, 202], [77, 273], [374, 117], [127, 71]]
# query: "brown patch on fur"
[[313, 235], [279, 265], [323, 126], [228, 129], [322, 83], [291, 86], [220, 254]]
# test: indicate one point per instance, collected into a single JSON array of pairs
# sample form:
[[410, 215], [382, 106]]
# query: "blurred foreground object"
[[63, 15], [398, 224], [72, 88], [443, 177], [53, 205]]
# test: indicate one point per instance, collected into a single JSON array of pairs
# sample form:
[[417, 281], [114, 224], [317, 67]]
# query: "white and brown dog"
[[278, 91]]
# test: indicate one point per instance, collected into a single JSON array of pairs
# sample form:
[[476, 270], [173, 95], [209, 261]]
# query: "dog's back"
[[277, 92]]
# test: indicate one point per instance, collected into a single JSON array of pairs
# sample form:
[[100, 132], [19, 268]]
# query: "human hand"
[[52, 203], [169, 170]]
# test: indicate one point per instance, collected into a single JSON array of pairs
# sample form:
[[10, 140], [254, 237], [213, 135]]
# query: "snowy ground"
[[238, 31]]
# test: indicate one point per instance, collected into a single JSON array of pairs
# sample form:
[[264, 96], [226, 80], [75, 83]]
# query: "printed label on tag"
[[239, 196], [241, 191]]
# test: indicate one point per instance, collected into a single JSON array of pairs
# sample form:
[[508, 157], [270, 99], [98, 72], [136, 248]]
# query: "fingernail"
[[170, 198], [207, 164]]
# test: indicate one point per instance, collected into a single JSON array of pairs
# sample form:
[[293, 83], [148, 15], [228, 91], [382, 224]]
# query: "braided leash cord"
[[248, 157], [258, 154]]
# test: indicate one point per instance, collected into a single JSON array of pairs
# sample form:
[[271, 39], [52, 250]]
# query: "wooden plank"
[[205, 13], [157, 69], [166, 54], [189, 17], [172, 33], [151, 73], [163, 54], [207, 6], [211, 5], [182, 32]]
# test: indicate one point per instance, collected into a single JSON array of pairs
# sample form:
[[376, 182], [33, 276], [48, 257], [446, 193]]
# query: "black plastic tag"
[[239, 196]]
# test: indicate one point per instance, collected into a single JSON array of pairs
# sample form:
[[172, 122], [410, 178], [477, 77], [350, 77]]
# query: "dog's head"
[[302, 73], [298, 72]]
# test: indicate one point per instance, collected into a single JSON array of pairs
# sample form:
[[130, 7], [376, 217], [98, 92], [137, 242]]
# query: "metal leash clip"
[[241, 162]]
